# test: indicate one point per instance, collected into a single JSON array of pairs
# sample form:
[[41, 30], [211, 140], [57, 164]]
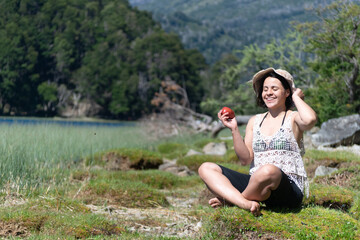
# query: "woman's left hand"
[[298, 93]]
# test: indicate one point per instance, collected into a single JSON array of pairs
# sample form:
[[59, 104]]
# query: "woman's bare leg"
[[212, 175], [266, 179]]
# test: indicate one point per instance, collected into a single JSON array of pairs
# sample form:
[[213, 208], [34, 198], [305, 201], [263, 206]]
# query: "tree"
[[335, 39], [288, 53], [56, 55]]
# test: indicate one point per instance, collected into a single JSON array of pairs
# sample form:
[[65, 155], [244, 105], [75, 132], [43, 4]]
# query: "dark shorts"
[[287, 194]]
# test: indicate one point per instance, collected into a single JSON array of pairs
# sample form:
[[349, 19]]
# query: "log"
[[241, 120]]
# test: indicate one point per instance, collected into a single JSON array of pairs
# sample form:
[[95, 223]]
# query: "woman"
[[272, 145]]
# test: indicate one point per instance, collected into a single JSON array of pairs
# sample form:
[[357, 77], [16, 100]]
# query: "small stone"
[[323, 171], [215, 148], [192, 152]]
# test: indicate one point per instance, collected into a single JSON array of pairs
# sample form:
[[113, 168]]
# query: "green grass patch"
[[355, 209], [117, 188], [330, 196], [172, 150], [236, 167], [193, 162], [47, 217], [307, 223], [337, 156], [202, 143], [161, 180]]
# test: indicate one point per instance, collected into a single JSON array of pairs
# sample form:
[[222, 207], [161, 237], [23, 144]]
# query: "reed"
[[31, 155]]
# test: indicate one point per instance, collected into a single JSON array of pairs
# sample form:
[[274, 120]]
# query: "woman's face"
[[274, 94]]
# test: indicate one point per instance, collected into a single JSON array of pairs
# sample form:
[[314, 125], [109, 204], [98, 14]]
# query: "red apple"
[[228, 110]]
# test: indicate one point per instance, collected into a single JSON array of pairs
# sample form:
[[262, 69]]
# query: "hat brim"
[[256, 80], [259, 76]]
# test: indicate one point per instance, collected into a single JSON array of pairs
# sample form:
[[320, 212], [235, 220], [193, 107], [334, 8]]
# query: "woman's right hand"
[[224, 118]]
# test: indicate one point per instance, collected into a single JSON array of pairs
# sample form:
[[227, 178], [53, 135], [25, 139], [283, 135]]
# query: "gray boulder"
[[193, 152], [172, 167], [215, 148], [323, 171], [338, 131]]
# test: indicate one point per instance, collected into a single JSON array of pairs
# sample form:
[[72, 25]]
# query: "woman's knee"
[[268, 172], [208, 167]]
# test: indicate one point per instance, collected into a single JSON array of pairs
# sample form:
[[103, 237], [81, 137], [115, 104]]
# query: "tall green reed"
[[31, 155]]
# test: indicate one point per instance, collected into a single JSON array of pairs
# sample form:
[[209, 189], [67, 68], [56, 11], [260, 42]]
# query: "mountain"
[[215, 27]]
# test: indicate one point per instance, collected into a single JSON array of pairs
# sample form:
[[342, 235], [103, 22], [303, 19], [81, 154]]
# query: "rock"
[[353, 149], [314, 130], [308, 144], [198, 226], [193, 152], [171, 166], [215, 148], [323, 171], [167, 164], [338, 131]]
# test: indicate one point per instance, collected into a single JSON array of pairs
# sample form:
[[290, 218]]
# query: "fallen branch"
[[241, 120]]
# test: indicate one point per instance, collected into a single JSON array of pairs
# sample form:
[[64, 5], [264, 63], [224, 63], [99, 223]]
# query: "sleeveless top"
[[281, 150]]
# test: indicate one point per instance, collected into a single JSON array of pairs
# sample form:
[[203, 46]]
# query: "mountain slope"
[[222, 26]]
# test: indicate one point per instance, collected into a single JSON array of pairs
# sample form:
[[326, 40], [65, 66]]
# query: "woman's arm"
[[306, 117], [243, 149]]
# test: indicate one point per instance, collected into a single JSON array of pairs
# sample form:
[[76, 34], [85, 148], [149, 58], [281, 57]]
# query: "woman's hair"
[[288, 102]]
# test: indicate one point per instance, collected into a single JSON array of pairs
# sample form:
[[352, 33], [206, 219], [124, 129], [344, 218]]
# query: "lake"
[[38, 121]]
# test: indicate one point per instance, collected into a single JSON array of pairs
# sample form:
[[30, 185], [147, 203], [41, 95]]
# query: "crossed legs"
[[261, 183]]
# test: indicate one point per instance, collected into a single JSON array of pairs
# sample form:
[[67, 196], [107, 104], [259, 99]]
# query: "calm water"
[[29, 121]]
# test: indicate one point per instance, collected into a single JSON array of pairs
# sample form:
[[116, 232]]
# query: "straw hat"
[[261, 75]]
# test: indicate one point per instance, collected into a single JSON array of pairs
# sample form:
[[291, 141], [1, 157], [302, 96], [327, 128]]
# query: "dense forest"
[[107, 59], [222, 26], [317, 41], [88, 58]]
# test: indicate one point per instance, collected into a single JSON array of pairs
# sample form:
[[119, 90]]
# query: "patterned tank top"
[[281, 150]]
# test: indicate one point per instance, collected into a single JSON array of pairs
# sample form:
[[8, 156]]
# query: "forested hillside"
[[88, 57], [107, 59], [222, 26]]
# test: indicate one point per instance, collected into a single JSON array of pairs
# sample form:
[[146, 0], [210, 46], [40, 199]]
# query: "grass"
[[133, 158], [60, 217], [337, 156], [33, 155], [54, 177], [305, 223]]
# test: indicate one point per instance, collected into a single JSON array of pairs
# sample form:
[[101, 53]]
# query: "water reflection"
[[29, 121]]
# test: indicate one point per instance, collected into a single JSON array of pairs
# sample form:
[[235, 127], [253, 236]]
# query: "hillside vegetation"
[[221, 26], [108, 59], [88, 58]]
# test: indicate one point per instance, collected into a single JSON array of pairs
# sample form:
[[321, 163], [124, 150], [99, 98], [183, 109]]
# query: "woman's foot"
[[252, 206], [255, 208], [216, 202]]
